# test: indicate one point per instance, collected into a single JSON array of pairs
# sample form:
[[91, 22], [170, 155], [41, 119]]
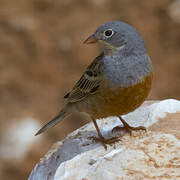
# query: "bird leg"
[[127, 127], [101, 138]]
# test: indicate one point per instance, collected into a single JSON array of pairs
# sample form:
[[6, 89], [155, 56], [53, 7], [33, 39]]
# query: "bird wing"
[[89, 82]]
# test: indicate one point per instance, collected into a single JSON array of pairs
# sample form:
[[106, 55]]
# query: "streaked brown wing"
[[89, 81]]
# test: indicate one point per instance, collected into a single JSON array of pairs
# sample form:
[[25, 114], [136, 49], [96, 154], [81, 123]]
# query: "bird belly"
[[119, 101]]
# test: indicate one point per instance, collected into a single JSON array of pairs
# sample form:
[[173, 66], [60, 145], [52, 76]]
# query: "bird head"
[[116, 36]]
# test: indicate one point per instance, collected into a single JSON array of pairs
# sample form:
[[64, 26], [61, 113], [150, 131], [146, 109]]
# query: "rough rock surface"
[[151, 155]]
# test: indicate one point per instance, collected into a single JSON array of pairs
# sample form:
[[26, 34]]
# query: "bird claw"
[[129, 129], [106, 142], [121, 128]]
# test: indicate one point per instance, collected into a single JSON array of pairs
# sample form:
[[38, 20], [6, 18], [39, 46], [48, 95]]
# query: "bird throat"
[[108, 49]]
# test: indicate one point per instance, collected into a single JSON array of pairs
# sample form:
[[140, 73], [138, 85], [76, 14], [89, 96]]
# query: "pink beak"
[[90, 40]]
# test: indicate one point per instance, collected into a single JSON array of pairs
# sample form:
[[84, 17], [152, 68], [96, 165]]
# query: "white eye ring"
[[108, 33]]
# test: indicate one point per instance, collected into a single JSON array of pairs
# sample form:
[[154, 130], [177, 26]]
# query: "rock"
[[174, 11], [155, 154], [17, 140]]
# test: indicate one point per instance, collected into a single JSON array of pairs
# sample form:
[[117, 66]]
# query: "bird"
[[117, 81]]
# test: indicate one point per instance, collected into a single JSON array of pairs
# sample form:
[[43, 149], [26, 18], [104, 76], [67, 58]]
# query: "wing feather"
[[89, 82]]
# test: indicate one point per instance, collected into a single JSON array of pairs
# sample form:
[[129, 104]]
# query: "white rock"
[[140, 160], [155, 154], [174, 11], [18, 139]]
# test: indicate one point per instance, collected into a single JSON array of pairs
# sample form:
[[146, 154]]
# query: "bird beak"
[[91, 40]]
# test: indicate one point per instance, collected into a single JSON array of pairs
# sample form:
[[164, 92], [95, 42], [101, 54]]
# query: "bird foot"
[[128, 128], [105, 141]]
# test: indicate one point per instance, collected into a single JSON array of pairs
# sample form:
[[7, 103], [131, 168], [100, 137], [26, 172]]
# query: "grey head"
[[116, 36]]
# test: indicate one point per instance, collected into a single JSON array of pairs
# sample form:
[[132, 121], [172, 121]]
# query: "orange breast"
[[119, 101]]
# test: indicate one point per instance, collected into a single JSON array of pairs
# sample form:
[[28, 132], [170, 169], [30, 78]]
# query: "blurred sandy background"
[[42, 55]]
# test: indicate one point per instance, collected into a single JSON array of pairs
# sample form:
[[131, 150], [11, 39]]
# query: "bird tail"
[[61, 115]]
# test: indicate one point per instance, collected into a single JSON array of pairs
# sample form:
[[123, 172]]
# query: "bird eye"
[[108, 33]]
